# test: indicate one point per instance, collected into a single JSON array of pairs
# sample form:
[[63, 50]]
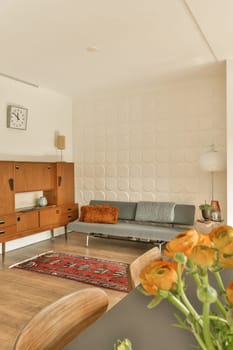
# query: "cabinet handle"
[[17, 167], [1, 232], [18, 218], [11, 184], [2, 222], [69, 216], [59, 180], [69, 209]]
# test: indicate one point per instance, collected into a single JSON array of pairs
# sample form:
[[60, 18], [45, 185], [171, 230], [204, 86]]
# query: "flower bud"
[[123, 345], [207, 294], [180, 258]]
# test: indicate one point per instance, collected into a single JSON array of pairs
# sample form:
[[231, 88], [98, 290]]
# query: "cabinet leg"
[[66, 231], [3, 252], [52, 233]]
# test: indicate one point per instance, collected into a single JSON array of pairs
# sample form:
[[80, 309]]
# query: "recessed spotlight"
[[92, 49]]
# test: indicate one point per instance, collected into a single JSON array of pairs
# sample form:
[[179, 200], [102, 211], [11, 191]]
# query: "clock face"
[[17, 117]]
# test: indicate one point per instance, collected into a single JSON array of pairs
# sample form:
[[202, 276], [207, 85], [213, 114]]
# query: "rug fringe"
[[36, 256]]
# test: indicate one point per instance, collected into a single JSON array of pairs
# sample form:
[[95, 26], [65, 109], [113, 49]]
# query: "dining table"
[[147, 329]]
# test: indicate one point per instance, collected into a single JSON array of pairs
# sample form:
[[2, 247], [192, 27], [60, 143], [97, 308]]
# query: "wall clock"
[[17, 117]]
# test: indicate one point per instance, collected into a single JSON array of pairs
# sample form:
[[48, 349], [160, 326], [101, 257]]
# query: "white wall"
[[49, 112], [230, 142], [145, 145]]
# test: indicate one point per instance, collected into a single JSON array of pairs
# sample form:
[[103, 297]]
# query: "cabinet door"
[[27, 221], [65, 183], [34, 176], [7, 196], [49, 216]]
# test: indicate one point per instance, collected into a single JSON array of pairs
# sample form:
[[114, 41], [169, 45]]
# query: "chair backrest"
[[139, 263], [58, 323]]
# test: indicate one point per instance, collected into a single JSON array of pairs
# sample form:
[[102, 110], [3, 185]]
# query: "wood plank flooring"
[[24, 293]]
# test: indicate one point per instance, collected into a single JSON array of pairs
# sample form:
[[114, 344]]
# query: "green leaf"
[[154, 302]]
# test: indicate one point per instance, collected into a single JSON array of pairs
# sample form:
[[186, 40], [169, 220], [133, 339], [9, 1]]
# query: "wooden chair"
[[58, 323], [138, 265]]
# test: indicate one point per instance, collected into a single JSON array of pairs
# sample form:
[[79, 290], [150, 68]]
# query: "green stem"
[[221, 308], [206, 316], [178, 304], [219, 281], [182, 308], [195, 274], [184, 297]]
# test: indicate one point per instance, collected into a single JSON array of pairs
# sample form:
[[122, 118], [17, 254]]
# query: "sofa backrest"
[[183, 213], [127, 210]]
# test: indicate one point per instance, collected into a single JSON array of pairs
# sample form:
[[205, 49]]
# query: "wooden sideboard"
[[54, 179]]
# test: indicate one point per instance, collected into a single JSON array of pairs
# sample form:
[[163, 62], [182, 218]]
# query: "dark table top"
[[146, 328]]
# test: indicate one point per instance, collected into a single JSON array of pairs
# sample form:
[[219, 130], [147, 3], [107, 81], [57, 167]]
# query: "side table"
[[206, 226]]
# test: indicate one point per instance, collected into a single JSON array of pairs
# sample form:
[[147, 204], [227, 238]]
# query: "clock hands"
[[16, 114]]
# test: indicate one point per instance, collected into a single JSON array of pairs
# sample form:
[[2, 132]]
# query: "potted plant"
[[206, 210]]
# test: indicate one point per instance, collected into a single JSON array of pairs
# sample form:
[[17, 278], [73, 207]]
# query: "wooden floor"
[[24, 293]]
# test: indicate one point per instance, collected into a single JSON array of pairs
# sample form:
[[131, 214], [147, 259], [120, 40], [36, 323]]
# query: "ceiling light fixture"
[[92, 49]]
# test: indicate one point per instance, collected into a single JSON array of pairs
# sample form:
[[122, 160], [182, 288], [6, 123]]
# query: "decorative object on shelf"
[[212, 162], [42, 201], [61, 143], [206, 210], [17, 117], [202, 256], [123, 345], [216, 211]]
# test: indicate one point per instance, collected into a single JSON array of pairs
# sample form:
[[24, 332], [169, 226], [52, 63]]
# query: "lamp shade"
[[61, 142], [213, 161]]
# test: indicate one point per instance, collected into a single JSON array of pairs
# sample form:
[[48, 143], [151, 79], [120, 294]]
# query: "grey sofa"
[[147, 221]]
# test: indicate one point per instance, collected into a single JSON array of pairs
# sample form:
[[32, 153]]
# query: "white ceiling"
[[139, 42]]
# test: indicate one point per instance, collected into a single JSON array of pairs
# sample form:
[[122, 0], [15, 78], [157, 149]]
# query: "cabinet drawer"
[[68, 217], [65, 209], [49, 216], [27, 221], [7, 220], [7, 232]]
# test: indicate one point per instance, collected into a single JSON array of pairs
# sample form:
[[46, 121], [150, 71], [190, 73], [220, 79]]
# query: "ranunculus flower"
[[229, 292], [203, 255], [226, 256], [204, 239], [159, 275], [221, 236], [183, 242]]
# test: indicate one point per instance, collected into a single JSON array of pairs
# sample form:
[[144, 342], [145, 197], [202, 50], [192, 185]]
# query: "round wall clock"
[[17, 117]]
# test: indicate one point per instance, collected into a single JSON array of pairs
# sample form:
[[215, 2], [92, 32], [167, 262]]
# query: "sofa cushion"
[[99, 214], [127, 210], [155, 211]]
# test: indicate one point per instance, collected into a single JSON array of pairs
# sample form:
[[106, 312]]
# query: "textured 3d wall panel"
[[146, 146]]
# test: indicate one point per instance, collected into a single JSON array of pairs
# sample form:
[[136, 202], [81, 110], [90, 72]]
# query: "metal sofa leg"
[[87, 240]]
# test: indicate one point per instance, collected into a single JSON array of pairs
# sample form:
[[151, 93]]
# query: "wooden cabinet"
[[7, 194], [54, 179]]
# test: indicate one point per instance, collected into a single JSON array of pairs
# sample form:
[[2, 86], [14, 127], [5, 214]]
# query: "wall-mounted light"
[[61, 143]]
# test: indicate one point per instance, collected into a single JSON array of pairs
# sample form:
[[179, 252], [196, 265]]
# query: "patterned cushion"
[[99, 213]]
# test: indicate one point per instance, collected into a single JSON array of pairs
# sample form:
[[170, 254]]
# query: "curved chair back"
[[139, 263], [58, 323]]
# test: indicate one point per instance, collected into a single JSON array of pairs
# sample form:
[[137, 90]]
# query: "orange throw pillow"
[[99, 214]]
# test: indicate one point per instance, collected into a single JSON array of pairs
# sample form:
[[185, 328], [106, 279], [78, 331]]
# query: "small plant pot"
[[206, 214]]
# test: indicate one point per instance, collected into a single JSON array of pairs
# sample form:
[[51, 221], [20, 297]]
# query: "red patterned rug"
[[99, 272]]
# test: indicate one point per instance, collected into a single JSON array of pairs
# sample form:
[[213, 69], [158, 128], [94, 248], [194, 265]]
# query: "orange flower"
[[204, 239], [229, 292], [182, 243], [226, 256], [159, 275], [203, 255], [221, 236]]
